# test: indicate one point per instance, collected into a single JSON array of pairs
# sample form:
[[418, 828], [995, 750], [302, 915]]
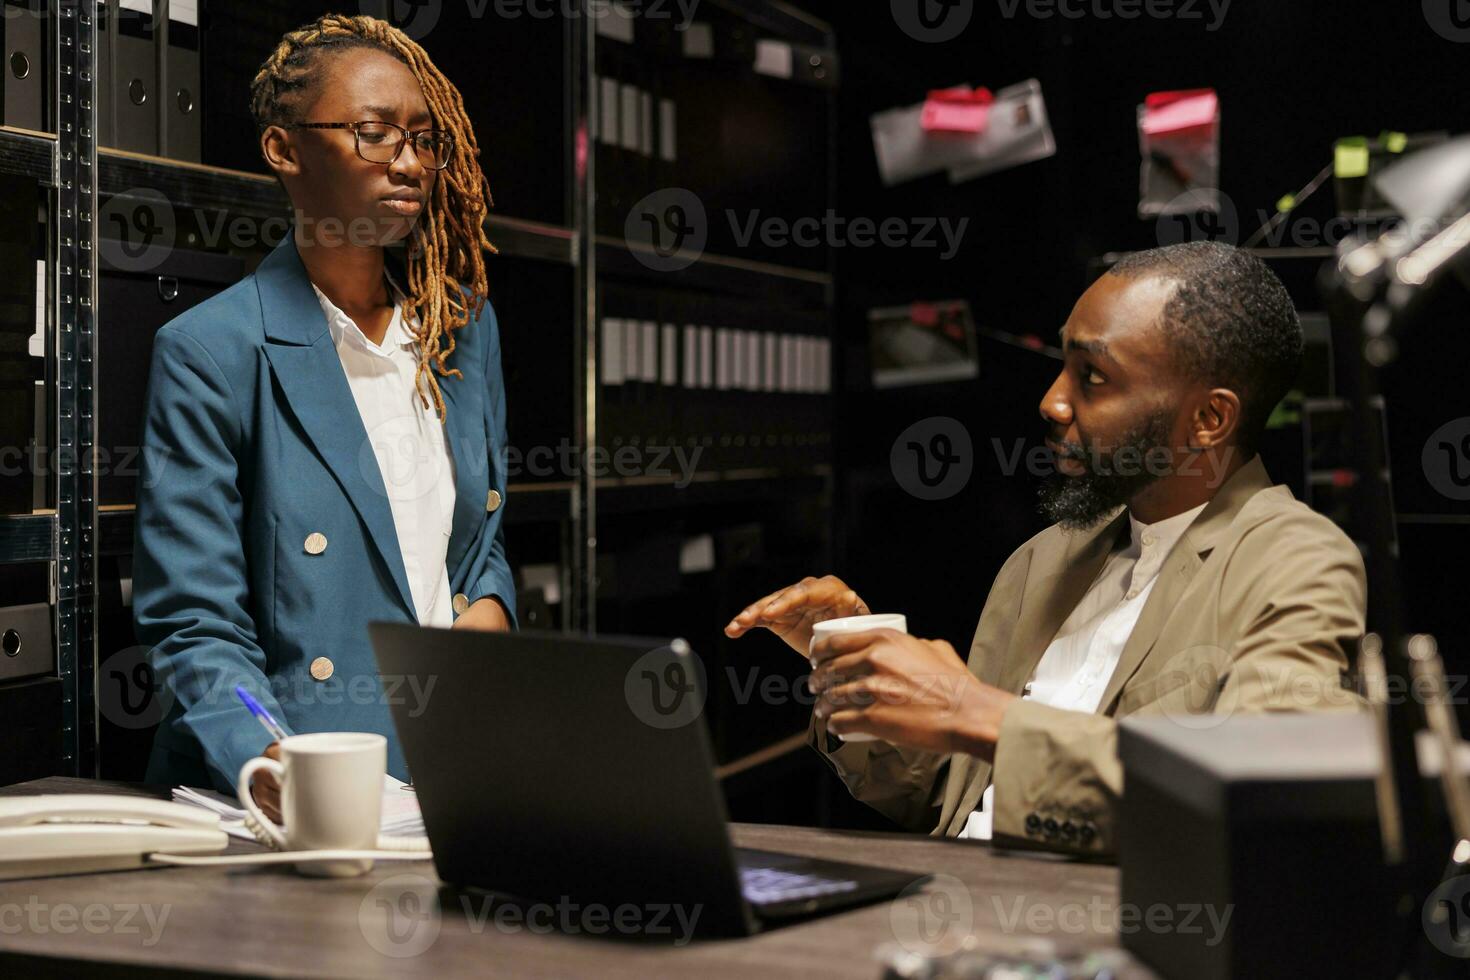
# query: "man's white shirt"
[[407, 446], [1075, 670]]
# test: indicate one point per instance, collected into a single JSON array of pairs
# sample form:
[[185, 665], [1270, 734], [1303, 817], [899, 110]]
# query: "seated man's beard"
[[1112, 478]]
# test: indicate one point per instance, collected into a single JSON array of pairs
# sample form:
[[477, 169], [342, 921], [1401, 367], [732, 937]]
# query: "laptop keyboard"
[[769, 886]]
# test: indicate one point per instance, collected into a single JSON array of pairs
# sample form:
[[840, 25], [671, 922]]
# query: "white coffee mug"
[[857, 624], [331, 796]]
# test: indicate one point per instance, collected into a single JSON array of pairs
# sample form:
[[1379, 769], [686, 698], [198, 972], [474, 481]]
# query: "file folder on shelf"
[[26, 63], [180, 104], [135, 77]]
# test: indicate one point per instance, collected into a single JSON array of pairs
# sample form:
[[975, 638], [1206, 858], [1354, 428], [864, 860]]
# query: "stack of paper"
[[402, 820]]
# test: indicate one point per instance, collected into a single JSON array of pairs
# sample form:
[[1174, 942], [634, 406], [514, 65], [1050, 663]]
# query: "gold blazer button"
[[316, 543], [321, 668], [492, 502], [461, 603]]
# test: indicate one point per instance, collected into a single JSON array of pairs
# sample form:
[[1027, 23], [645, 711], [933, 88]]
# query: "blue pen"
[[261, 715]]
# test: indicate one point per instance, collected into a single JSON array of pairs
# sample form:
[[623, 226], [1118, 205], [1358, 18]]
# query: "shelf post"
[[74, 272]]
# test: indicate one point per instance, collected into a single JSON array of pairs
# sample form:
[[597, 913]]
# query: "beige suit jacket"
[[1256, 609]]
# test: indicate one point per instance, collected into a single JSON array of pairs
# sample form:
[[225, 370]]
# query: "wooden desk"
[[273, 922]]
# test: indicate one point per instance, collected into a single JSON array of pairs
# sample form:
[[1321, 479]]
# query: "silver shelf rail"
[[75, 273]]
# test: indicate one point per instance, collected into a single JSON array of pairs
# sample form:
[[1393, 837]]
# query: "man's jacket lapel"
[[1055, 583]]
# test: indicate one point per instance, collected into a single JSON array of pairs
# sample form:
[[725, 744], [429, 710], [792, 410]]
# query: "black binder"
[[135, 79], [26, 63], [104, 111], [133, 306], [181, 106]]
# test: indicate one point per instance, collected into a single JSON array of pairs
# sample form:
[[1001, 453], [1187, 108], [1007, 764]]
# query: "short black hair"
[[1229, 322]]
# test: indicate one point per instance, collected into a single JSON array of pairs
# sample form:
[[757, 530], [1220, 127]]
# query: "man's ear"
[[279, 151], [1216, 420]]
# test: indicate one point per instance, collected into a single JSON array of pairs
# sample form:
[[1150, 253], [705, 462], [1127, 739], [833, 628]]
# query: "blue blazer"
[[252, 443]]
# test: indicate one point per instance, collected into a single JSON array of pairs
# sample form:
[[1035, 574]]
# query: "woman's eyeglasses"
[[381, 142]]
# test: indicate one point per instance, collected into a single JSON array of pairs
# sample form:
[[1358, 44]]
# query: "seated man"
[[1176, 579]]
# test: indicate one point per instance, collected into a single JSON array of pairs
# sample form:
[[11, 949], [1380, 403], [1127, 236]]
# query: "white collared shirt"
[[408, 449], [1075, 670]]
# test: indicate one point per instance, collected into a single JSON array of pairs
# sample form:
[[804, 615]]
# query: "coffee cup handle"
[[242, 789]]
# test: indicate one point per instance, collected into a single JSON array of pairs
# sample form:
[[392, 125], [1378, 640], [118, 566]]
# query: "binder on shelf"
[[669, 356], [723, 350], [612, 352], [180, 106], [135, 77], [29, 649], [753, 361], [690, 377], [645, 124], [648, 351], [22, 317], [668, 130], [26, 63], [630, 117], [103, 108], [736, 375], [618, 23], [132, 306], [608, 125]]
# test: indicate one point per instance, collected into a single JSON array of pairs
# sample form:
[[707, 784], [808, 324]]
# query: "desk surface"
[[398, 921]]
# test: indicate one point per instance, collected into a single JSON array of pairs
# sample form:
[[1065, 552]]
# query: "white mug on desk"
[[858, 624], [331, 796]]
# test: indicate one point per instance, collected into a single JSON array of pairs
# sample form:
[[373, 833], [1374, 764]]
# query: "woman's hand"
[[485, 614], [791, 612], [265, 789]]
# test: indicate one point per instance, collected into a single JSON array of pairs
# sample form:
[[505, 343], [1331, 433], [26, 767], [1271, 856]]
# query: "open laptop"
[[553, 767]]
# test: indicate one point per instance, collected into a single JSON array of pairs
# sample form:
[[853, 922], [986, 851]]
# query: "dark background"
[[1292, 78]]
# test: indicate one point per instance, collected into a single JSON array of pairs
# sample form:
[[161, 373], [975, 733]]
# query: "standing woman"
[[325, 440]]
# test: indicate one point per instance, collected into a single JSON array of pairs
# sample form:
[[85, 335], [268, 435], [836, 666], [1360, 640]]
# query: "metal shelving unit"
[[79, 177], [608, 256]]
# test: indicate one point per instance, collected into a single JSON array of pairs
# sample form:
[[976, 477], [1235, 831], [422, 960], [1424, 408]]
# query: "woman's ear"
[[280, 152]]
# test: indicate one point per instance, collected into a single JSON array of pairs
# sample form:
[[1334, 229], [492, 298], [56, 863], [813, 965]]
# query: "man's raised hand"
[[791, 612]]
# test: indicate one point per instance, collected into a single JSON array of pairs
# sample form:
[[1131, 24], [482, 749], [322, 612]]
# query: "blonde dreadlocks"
[[448, 243]]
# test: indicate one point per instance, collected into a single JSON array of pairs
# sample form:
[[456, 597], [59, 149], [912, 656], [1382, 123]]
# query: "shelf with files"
[[791, 286], [165, 185], [636, 495], [188, 186], [780, 19], [27, 537], [28, 153], [722, 355]]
